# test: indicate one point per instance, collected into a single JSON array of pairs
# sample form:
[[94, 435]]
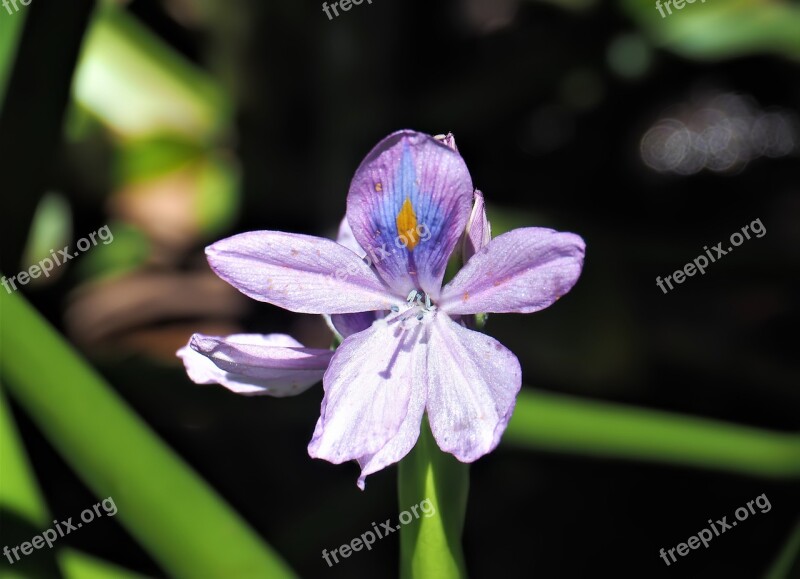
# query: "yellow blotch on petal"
[[407, 225]]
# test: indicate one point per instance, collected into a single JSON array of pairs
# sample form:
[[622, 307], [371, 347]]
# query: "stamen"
[[419, 303]]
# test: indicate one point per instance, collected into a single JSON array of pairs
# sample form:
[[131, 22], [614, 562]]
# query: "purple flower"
[[407, 349]]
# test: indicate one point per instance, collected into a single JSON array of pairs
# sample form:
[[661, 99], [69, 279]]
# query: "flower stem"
[[430, 546]]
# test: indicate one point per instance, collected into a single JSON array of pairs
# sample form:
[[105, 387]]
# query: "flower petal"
[[473, 381], [299, 273], [523, 271], [368, 386], [402, 442], [275, 364], [479, 230], [345, 325], [346, 238], [408, 204]]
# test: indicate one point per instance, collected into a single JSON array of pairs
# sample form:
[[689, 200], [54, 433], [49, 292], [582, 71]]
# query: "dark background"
[[551, 134]]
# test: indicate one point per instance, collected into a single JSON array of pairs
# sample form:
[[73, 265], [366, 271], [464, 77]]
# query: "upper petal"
[[275, 364], [368, 386], [473, 381], [299, 273], [524, 270], [408, 204]]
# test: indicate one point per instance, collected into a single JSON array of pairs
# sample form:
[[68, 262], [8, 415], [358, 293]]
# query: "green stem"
[[431, 545]]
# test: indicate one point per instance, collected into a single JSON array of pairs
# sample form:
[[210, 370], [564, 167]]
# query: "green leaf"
[[431, 546], [11, 26], [218, 194], [129, 251], [559, 423], [139, 87], [148, 158], [787, 564], [51, 229], [19, 492], [77, 565], [717, 30], [177, 517]]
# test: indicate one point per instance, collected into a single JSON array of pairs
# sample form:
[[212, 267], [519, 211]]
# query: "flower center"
[[418, 306]]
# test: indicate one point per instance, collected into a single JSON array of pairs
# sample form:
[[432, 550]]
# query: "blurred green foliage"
[[725, 29], [162, 116], [166, 506]]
